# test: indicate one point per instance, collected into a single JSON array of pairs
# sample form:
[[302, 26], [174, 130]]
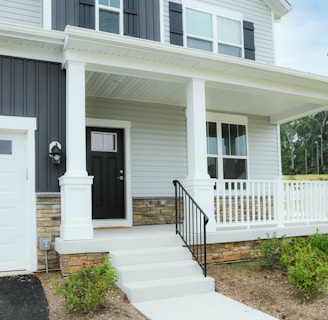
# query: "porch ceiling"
[[228, 98]]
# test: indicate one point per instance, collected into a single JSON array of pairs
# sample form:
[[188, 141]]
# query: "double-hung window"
[[227, 153], [213, 29], [109, 16]]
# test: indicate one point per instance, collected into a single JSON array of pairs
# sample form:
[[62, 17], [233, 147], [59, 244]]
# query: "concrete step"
[[145, 241], [167, 288], [156, 271], [149, 255]]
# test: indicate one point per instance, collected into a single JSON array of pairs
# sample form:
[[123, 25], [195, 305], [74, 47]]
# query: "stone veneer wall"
[[145, 212], [153, 211], [231, 251], [48, 224], [70, 262]]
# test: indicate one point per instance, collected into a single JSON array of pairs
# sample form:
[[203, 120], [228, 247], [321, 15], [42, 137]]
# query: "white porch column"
[[75, 185], [198, 182]]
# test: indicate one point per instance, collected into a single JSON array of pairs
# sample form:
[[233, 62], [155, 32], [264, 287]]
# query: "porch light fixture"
[[55, 152]]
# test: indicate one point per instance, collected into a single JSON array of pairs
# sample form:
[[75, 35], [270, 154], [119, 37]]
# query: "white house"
[[137, 94]]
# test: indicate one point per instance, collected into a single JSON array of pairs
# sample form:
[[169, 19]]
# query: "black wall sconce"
[[55, 152]]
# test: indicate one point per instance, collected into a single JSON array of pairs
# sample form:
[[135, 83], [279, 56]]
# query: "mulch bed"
[[22, 298]]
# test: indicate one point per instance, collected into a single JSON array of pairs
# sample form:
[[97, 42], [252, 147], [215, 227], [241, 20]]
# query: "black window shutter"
[[87, 14], [249, 43], [176, 30], [130, 18]]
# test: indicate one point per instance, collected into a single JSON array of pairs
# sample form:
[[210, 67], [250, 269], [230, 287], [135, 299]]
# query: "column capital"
[[71, 62]]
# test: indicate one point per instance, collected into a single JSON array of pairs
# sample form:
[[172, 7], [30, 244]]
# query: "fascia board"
[[36, 35]]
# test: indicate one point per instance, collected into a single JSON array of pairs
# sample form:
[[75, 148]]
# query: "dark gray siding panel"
[[149, 19], [87, 14], [64, 13], [142, 19], [31, 88]]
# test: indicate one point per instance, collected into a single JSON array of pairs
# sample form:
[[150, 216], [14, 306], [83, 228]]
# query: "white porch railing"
[[246, 203]]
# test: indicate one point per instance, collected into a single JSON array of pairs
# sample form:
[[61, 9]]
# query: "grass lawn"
[[322, 177]]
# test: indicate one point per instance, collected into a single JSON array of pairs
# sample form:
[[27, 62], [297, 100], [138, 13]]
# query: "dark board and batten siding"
[[141, 17], [30, 88], [79, 13]]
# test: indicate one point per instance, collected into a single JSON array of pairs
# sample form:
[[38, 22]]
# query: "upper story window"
[[195, 24], [109, 16], [213, 29]]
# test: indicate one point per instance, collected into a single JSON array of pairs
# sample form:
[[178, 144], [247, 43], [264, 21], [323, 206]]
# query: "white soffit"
[[279, 7]]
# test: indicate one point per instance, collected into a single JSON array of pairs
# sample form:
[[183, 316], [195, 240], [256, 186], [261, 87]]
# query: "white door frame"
[[125, 125], [26, 126]]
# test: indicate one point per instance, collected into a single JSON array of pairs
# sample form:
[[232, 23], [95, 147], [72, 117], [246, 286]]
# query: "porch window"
[[214, 30], [109, 15], [226, 150]]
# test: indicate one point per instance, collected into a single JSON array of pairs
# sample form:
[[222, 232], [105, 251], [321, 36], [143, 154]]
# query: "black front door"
[[105, 161]]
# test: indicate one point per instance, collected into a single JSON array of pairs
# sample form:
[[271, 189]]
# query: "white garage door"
[[12, 201]]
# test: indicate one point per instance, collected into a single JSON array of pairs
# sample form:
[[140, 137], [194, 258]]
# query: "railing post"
[[280, 202], [176, 206], [202, 191]]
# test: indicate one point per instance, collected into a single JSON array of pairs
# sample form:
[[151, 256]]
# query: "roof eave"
[[279, 7]]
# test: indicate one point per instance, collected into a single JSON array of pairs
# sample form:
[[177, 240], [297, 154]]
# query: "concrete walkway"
[[208, 306]]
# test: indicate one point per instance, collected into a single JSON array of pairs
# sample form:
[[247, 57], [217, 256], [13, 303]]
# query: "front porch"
[[244, 210]]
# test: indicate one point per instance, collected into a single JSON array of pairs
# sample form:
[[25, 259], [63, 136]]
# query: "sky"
[[302, 37]]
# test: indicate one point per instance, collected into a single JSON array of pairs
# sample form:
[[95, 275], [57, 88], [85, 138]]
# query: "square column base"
[[76, 209], [202, 191]]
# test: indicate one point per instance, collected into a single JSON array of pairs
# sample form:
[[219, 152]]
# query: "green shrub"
[[289, 248], [85, 290], [270, 251], [309, 273], [307, 265], [319, 241]]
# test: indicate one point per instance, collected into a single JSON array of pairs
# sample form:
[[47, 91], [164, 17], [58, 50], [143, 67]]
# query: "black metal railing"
[[191, 224]]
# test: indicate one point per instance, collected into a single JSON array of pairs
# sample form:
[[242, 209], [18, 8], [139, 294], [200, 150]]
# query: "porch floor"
[[202, 305]]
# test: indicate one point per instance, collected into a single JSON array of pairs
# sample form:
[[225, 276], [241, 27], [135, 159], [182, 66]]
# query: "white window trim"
[[46, 5], [215, 11], [119, 10], [220, 118]]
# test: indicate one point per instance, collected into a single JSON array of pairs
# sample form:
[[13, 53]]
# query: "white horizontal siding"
[[263, 149], [255, 11], [158, 143], [25, 12]]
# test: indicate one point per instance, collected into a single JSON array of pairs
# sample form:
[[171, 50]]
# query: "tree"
[[303, 144]]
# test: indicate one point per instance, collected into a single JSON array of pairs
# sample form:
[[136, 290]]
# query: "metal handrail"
[[190, 224]]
